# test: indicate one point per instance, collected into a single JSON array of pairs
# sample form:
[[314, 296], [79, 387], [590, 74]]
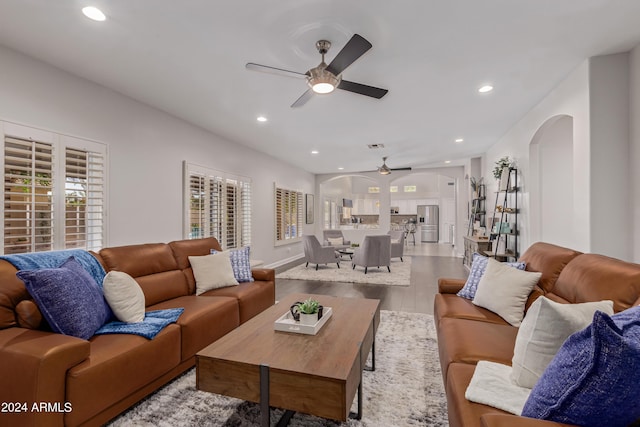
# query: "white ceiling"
[[187, 58]]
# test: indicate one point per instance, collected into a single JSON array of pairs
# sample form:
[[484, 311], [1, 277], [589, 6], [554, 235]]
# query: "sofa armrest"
[[264, 274], [506, 420], [450, 286], [33, 368]]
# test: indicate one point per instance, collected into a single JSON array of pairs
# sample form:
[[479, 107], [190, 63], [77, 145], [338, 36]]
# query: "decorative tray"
[[286, 323]]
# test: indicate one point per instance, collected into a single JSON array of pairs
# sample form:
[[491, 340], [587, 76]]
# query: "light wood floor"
[[429, 262]]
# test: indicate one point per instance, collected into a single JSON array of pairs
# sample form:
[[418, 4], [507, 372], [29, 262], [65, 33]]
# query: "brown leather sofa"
[[107, 374], [468, 333]]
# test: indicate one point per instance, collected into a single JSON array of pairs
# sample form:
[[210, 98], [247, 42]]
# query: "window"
[[410, 188], [54, 191], [217, 204], [374, 189], [289, 215], [393, 189]]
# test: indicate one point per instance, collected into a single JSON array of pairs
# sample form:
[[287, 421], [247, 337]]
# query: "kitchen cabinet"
[[366, 207]]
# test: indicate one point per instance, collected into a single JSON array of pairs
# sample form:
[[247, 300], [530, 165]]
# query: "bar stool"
[[410, 230]]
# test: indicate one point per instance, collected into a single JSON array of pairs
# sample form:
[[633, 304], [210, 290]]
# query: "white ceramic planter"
[[308, 319]]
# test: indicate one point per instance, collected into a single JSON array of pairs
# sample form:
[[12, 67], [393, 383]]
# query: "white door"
[[447, 219]]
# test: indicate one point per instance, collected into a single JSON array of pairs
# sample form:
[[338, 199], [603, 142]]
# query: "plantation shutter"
[[84, 199], [28, 191], [289, 214], [218, 206]]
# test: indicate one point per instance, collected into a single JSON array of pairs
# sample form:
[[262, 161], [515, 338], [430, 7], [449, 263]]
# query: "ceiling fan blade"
[[273, 70], [374, 92], [303, 99], [401, 169], [354, 49]]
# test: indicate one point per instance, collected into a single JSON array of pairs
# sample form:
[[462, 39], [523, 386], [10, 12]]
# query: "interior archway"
[[552, 182]]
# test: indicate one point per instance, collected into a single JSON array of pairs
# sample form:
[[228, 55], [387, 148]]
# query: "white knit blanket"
[[491, 385]]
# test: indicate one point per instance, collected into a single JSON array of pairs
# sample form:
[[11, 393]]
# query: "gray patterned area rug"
[[404, 390], [400, 274]]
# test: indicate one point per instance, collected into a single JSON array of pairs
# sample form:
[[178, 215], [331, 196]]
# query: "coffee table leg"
[[358, 415], [265, 409], [373, 357], [265, 412]]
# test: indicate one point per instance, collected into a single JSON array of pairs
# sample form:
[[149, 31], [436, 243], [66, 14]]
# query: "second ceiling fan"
[[325, 78]]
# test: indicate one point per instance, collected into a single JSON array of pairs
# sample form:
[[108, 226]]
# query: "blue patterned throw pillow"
[[240, 263], [594, 379], [68, 297], [478, 268]]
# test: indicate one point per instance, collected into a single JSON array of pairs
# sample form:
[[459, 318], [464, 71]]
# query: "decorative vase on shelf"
[[504, 179]]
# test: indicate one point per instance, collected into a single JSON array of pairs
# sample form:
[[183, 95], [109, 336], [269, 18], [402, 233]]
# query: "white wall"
[[634, 157], [146, 150], [596, 97], [610, 149], [570, 97]]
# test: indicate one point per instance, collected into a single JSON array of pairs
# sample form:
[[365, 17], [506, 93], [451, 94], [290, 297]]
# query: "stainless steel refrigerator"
[[429, 223]]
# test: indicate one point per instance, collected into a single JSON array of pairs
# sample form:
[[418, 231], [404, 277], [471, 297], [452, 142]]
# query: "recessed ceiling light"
[[459, 140], [485, 89], [340, 168], [261, 119], [447, 161], [94, 13], [315, 152]]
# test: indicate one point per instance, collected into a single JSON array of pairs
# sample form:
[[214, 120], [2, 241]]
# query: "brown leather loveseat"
[[101, 377], [468, 333]]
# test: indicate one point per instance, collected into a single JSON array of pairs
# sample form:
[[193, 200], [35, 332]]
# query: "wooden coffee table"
[[315, 374]]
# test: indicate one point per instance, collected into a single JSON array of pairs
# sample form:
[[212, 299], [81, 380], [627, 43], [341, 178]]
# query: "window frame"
[[60, 144]]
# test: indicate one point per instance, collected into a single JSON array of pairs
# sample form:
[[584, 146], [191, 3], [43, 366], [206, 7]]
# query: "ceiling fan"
[[326, 78], [386, 170]]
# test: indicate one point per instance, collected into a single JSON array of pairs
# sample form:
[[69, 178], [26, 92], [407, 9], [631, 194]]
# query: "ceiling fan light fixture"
[[322, 81], [384, 169]]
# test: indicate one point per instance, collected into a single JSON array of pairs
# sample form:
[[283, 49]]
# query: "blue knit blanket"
[[54, 259], [154, 322]]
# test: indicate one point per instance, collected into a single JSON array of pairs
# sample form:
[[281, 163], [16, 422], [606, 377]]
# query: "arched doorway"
[[552, 182]]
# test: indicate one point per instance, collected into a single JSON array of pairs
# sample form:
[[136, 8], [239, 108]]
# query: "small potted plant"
[[501, 171], [307, 312]]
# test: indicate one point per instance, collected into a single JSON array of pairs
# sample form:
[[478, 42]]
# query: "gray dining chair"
[[375, 251]]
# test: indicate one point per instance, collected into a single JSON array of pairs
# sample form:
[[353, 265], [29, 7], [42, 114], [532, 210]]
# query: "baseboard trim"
[[285, 261]]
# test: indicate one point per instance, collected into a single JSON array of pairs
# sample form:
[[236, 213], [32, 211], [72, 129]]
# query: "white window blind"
[[289, 214], [84, 199], [54, 191], [217, 204], [28, 196]]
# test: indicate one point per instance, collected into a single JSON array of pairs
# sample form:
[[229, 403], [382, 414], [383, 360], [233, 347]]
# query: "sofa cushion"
[[468, 341], [212, 271], [68, 297], [125, 297], [462, 412], [594, 380], [588, 277], [154, 268], [204, 320], [478, 267], [548, 259], [450, 305], [544, 329], [504, 290], [118, 366], [253, 298], [28, 315]]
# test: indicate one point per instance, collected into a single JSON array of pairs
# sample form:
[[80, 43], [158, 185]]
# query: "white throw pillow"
[[335, 241], [124, 296], [504, 290], [395, 240], [212, 271], [544, 329]]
